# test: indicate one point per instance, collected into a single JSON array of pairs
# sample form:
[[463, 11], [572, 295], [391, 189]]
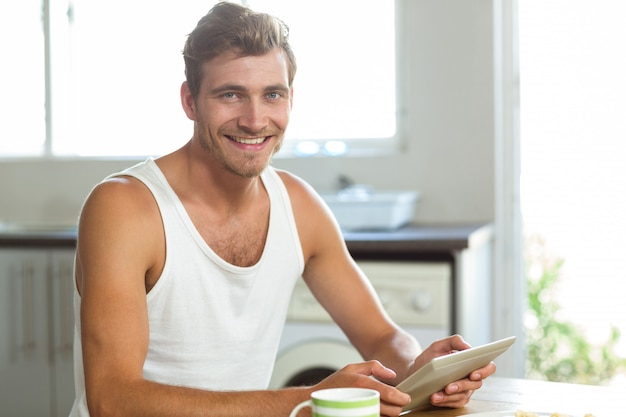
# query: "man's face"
[[242, 110]]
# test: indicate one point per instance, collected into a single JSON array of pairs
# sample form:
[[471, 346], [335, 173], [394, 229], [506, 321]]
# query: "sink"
[[362, 208]]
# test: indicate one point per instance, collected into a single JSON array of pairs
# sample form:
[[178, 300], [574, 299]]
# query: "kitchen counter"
[[38, 238], [419, 241], [414, 239]]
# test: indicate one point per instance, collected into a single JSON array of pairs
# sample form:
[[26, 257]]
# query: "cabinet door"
[[24, 354], [61, 284]]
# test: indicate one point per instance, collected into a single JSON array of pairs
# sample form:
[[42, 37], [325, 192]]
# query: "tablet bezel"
[[442, 370]]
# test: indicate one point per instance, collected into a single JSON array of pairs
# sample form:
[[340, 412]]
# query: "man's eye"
[[273, 95], [229, 95]]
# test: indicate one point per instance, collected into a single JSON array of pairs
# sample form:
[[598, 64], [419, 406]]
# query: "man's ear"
[[187, 101]]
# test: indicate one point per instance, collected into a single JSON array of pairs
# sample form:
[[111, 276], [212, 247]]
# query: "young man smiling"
[[253, 116], [185, 263]]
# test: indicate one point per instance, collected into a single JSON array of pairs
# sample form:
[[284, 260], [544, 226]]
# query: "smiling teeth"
[[245, 141]]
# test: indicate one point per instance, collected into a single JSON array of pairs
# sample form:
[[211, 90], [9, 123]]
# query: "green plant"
[[557, 349]]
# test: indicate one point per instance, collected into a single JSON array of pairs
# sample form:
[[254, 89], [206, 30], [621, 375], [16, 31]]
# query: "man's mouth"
[[248, 141]]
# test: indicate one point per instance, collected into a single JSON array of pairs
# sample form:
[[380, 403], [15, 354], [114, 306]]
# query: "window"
[[115, 69], [22, 110], [572, 134]]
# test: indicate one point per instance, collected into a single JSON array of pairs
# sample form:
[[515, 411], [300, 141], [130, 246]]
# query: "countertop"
[[421, 238], [503, 396], [16, 237], [413, 238]]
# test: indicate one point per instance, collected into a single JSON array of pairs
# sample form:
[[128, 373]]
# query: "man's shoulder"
[[292, 182], [119, 196], [120, 187]]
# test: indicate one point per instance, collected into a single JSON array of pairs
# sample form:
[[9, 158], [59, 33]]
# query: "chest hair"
[[238, 242]]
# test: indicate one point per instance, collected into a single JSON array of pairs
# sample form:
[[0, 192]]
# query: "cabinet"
[[36, 332]]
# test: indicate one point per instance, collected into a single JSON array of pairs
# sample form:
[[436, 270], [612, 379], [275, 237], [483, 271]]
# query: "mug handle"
[[299, 407]]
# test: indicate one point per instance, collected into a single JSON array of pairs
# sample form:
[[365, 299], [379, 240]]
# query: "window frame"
[[354, 147]]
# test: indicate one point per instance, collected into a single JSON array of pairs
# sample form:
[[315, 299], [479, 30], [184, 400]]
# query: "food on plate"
[[521, 413]]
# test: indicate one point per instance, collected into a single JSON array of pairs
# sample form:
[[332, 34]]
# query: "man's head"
[[229, 27]]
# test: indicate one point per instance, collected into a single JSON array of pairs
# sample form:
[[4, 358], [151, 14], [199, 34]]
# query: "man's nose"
[[254, 116]]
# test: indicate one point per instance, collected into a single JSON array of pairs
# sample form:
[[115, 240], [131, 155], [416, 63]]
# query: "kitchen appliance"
[[359, 207], [416, 295]]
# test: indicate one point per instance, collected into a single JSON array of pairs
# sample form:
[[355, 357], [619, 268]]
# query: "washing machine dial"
[[421, 301]]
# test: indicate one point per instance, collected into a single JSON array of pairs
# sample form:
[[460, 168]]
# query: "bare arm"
[[343, 290], [341, 287]]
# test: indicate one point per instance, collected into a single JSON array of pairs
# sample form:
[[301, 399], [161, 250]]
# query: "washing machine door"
[[310, 362]]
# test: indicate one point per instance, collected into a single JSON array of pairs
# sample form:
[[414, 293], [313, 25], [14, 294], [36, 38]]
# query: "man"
[[185, 264]]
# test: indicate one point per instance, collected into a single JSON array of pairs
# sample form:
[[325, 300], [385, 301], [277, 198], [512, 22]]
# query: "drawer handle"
[[28, 326], [65, 313]]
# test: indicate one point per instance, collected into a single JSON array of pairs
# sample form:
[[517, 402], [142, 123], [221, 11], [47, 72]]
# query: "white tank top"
[[213, 325]]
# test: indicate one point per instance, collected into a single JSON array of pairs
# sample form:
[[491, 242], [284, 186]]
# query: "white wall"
[[450, 135]]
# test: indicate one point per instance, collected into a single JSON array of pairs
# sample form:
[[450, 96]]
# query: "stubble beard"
[[246, 169]]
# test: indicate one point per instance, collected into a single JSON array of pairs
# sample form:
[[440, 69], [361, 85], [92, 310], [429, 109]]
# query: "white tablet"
[[441, 371]]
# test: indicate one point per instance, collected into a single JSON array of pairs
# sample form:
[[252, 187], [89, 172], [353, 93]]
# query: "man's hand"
[[456, 394], [369, 375]]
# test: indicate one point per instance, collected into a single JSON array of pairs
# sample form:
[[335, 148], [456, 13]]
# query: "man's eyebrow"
[[227, 87], [277, 87], [240, 88]]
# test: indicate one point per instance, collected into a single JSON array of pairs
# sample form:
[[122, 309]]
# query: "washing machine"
[[416, 295]]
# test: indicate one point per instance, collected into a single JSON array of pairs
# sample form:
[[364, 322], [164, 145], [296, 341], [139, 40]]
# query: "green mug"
[[342, 402]]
